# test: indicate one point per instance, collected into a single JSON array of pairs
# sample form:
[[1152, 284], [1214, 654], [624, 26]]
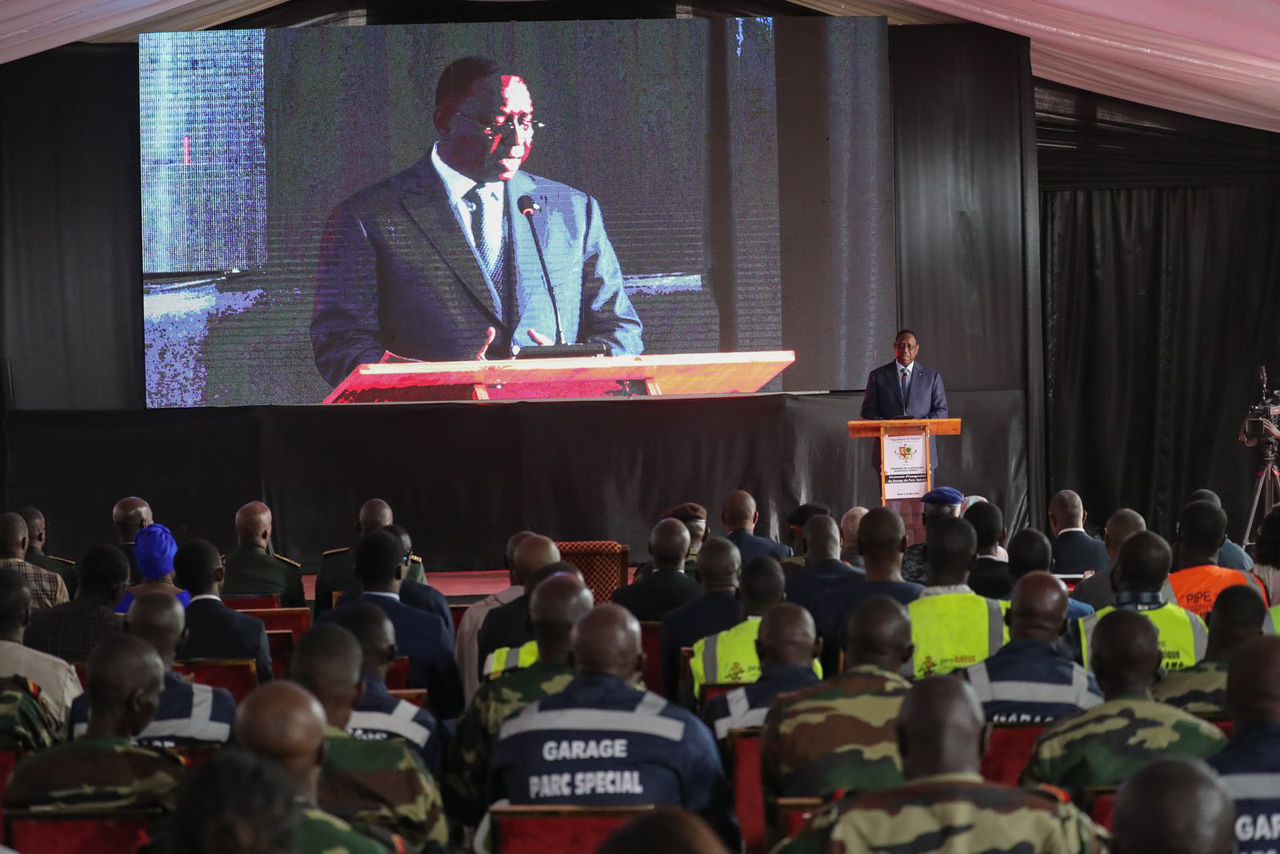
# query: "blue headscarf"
[[154, 548]]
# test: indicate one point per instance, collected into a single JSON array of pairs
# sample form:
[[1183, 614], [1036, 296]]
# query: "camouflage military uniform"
[[467, 763], [952, 813], [381, 785], [837, 735], [321, 833], [1102, 746], [913, 564], [95, 775], [1200, 690], [26, 723]]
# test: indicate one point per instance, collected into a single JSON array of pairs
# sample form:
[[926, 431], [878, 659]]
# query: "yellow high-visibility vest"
[[730, 656], [506, 658], [955, 630], [1183, 636]]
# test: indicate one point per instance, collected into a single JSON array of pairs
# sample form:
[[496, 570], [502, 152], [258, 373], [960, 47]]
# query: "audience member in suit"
[[422, 637], [849, 523], [253, 569], [823, 571], [37, 542], [990, 575], [473, 618], [71, 631], [1030, 551], [1231, 555], [740, 517], [338, 566], [417, 594], [130, 515], [796, 520], [666, 587], [508, 625], [905, 389], [1096, 591], [213, 629], [57, 679], [718, 608], [1074, 551]]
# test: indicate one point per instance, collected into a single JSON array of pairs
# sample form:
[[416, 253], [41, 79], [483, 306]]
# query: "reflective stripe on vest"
[[1269, 624], [1255, 787], [953, 631], [506, 658], [1022, 691], [1182, 635]]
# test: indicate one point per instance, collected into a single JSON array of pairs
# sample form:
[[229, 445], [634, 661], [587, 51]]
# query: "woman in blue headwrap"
[[154, 548]]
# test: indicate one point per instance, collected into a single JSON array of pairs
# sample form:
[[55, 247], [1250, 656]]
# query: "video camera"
[[1265, 411]]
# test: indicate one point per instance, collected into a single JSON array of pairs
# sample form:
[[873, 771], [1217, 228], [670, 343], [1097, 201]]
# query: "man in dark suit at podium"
[[435, 262], [905, 389]]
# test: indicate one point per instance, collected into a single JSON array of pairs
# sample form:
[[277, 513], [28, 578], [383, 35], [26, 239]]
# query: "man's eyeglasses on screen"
[[505, 124]]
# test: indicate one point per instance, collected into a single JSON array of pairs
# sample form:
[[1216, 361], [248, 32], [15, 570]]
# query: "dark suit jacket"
[[926, 398], [396, 273], [415, 595], [420, 636], [990, 577], [216, 631], [1076, 552], [751, 547], [661, 591], [686, 625], [807, 587]]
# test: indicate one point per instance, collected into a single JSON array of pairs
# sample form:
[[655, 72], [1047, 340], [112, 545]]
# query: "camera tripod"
[[1267, 488]]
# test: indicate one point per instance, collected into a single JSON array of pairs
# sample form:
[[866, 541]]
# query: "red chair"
[[538, 830], [1010, 752], [651, 643], [748, 791], [196, 755], [711, 690], [8, 759], [280, 642], [603, 564], [296, 620], [456, 611], [1102, 805], [237, 675], [117, 832], [794, 812], [417, 696], [1228, 728], [398, 674], [244, 603]]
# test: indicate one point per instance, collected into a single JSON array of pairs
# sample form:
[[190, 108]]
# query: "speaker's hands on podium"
[[536, 336]]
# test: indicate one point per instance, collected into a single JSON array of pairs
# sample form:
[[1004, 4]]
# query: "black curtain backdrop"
[[1161, 247]]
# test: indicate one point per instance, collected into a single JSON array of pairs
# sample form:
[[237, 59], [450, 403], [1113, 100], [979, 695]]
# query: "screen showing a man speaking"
[[319, 199]]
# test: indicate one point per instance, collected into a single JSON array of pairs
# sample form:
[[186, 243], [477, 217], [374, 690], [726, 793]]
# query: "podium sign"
[[904, 460]]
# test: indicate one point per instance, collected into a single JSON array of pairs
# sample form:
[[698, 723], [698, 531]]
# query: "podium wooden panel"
[[927, 427], [577, 377]]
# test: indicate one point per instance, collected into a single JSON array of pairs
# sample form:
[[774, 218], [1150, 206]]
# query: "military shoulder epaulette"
[[287, 560], [61, 560], [414, 559], [330, 552]]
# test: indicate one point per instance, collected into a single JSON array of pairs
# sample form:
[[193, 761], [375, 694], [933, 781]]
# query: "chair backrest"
[[237, 675], [252, 602], [651, 643], [794, 812], [117, 832], [280, 642], [603, 564], [296, 620], [8, 758], [1101, 803], [1228, 728], [538, 830], [711, 690], [336, 598], [748, 791], [398, 674], [417, 696], [456, 611], [1010, 752]]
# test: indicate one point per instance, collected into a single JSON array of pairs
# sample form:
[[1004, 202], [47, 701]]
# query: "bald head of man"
[[1253, 683], [1143, 566], [35, 528], [13, 536], [509, 553], [1237, 617], [669, 544], [159, 619], [126, 678], [822, 539], [1066, 510], [1174, 805], [328, 663], [375, 514], [130, 515], [849, 524], [878, 634], [253, 525], [1038, 608], [606, 642], [882, 541], [376, 635], [533, 553], [282, 722], [739, 512], [554, 607], [950, 548], [788, 637], [763, 585], [719, 565], [941, 729], [1202, 529], [1125, 654], [1122, 525]]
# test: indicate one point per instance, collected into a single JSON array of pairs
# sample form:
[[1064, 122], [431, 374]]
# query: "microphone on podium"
[[528, 207]]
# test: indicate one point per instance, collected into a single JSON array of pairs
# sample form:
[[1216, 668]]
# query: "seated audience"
[[154, 548], [950, 806], [421, 636], [508, 625], [473, 618], [1231, 555], [849, 524], [253, 569], [71, 631], [375, 785], [189, 713], [1104, 745], [666, 587], [26, 724], [414, 589], [941, 503], [1174, 805], [796, 521], [130, 515], [1030, 551], [57, 680], [1074, 551], [603, 742], [839, 735], [37, 543], [338, 566], [47, 588], [1236, 619], [740, 518], [505, 659], [787, 647], [990, 574], [379, 716], [1097, 591], [823, 570], [719, 568], [730, 656], [694, 517], [213, 629], [1267, 549], [236, 802], [1197, 581], [105, 770], [555, 606], [1030, 679], [671, 831], [282, 723]]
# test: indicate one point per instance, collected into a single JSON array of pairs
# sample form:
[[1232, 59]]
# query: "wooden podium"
[[923, 427], [577, 377]]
